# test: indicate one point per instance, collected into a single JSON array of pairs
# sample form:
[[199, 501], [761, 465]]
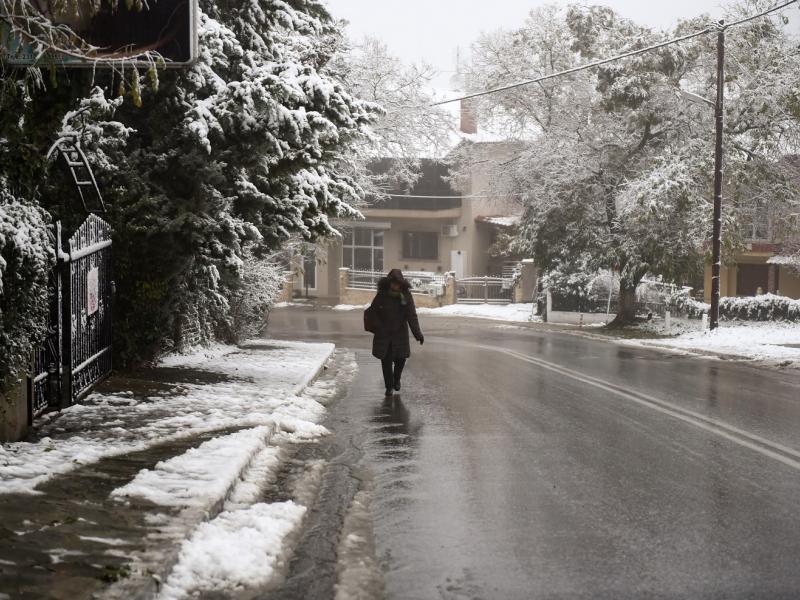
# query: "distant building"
[[768, 263], [434, 227]]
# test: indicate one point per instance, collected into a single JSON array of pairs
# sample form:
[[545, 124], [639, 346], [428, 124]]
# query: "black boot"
[[389, 392]]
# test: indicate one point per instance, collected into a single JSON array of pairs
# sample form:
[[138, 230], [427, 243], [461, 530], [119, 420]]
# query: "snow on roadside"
[[514, 313], [201, 476], [774, 342], [259, 384], [237, 551], [348, 307]]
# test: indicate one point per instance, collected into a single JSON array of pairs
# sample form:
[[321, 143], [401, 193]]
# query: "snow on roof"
[[500, 220], [784, 260]]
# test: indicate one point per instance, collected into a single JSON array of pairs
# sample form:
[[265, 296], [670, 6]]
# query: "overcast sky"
[[431, 30]]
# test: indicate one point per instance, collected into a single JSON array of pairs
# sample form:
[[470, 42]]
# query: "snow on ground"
[[776, 342], [347, 307], [237, 551], [258, 384], [515, 313], [201, 476]]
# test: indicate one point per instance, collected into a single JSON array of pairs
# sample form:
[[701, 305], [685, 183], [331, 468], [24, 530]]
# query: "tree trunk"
[[626, 311]]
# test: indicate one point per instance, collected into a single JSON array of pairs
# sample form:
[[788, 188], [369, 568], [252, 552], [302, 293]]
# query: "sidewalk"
[[157, 484]]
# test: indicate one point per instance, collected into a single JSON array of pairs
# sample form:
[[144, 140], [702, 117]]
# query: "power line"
[[630, 54]]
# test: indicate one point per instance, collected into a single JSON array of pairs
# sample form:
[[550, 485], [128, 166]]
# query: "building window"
[[423, 245], [362, 249]]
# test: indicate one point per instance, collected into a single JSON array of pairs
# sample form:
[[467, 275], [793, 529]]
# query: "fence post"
[[704, 321], [486, 290], [667, 320], [344, 283], [450, 289], [65, 273]]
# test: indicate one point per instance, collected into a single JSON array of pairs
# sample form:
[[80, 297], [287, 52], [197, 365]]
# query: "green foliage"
[[24, 266], [200, 168]]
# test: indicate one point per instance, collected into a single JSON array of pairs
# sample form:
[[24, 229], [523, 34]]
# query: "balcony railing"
[[414, 203]]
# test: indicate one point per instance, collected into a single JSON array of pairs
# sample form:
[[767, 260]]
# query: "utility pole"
[[716, 240]]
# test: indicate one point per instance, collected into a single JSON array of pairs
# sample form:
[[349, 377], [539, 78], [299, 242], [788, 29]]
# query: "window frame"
[[349, 247], [407, 248]]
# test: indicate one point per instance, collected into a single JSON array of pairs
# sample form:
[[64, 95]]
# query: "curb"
[[317, 372], [147, 585]]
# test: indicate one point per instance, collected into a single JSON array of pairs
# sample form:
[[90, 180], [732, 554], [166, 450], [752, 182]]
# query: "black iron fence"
[[77, 351]]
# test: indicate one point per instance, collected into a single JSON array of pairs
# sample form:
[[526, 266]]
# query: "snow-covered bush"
[[571, 286], [681, 303], [261, 284], [767, 307], [25, 260]]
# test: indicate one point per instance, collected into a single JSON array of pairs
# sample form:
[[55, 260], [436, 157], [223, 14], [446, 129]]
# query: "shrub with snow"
[[767, 307], [682, 303], [261, 284], [25, 260]]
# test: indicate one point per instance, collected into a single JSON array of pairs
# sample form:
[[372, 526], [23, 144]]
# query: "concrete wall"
[[14, 413], [527, 286], [788, 282], [393, 245], [575, 318]]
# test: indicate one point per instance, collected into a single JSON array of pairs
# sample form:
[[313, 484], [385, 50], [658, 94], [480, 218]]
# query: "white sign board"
[[92, 288]]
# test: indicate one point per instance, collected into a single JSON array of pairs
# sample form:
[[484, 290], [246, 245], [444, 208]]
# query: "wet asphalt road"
[[524, 463]]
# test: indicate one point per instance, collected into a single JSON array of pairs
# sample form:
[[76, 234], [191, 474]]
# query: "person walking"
[[391, 314]]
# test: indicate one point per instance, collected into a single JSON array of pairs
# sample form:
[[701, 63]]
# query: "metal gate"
[[484, 290], [77, 351]]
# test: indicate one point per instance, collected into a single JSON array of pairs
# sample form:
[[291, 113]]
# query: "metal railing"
[[484, 290], [422, 282]]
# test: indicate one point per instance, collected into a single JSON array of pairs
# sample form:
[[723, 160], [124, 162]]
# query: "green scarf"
[[398, 296]]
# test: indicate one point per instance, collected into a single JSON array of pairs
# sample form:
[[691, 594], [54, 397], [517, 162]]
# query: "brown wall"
[[788, 283]]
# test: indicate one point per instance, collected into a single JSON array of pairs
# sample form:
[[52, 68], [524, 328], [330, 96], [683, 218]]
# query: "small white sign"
[[92, 288]]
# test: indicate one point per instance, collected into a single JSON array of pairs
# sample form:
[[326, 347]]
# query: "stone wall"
[[14, 413]]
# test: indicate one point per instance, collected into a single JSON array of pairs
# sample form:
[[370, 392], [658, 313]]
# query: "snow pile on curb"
[[237, 551], [348, 307], [769, 342], [259, 384], [201, 476], [514, 313]]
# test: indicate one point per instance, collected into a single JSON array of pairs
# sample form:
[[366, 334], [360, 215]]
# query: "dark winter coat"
[[393, 319]]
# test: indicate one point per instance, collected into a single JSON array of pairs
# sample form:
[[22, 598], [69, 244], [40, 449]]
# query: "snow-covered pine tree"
[[228, 158], [233, 155]]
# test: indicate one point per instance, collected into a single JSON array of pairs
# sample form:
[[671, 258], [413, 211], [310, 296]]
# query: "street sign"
[[167, 27]]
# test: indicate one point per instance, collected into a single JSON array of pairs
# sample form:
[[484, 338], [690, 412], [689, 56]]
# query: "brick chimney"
[[469, 120]]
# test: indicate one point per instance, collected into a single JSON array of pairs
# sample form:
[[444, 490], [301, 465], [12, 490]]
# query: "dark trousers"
[[392, 369]]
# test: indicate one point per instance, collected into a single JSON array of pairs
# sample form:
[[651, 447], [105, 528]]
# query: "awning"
[[500, 220], [784, 260]]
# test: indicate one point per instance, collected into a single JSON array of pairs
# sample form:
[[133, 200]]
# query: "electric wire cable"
[[711, 29]]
